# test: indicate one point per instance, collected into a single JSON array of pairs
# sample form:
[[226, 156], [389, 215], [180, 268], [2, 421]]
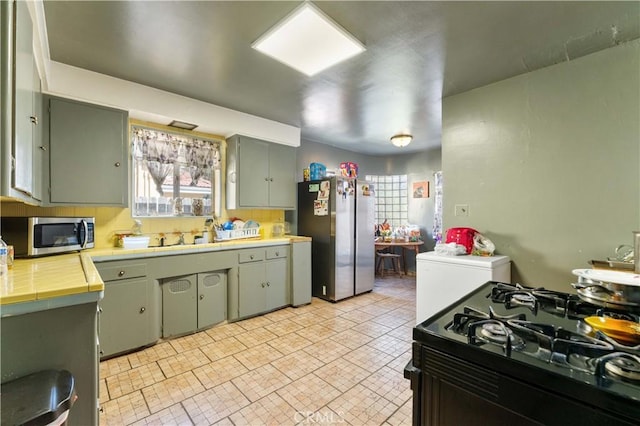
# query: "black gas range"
[[507, 354]]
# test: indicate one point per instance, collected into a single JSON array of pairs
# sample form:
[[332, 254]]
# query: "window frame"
[[185, 142]]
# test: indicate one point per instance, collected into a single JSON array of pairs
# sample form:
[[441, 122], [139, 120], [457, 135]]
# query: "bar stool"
[[395, 263]]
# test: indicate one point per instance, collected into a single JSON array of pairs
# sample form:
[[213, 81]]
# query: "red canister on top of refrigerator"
[[462, 236]]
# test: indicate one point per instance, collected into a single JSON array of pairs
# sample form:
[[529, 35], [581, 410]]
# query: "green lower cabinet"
[[263, 285], [212, 298], [301, 273], [57, 338], [193, 302], [251, 289], [125, 319], [179, 315], [276, 274]]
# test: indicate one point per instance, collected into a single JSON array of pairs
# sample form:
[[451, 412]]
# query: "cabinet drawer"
[[121, 272], [246, 256], [277, 252]]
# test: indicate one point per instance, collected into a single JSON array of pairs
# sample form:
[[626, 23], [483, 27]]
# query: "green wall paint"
[[549, 163]]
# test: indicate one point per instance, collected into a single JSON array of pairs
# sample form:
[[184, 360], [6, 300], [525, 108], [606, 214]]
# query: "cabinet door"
[[282, 178], [251, 289], [253, 173], [88, 159], [276, 273], [179, 310], [124, 321], [212, 298], [24, 88], [38, 145], [301, 273]]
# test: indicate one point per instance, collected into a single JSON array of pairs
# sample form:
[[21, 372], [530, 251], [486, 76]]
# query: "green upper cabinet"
[[260, 174], [88, 161], [22, 151]]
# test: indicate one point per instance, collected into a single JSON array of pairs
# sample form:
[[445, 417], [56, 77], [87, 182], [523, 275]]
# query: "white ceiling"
[[417, 53]]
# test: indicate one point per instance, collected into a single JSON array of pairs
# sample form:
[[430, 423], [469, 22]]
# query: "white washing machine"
[[443, 280]]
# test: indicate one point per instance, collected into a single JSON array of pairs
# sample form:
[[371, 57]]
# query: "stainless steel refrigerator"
[[338, 214]]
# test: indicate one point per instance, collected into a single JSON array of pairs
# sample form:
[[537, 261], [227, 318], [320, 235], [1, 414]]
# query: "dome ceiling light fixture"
[[309, 41], [401, 139]]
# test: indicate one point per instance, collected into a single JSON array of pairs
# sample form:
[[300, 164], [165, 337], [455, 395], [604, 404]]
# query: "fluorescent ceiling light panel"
[[308, 41], [182, 125]]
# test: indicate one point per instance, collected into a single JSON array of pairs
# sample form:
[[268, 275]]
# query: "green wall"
[[549, 163]]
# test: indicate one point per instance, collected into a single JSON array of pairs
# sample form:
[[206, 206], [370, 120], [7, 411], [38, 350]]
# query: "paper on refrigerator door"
[[320, 207], [325, 187]]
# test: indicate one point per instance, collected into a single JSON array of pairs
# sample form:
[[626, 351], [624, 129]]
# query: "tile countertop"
[[44, 279], [50, 277], [117, 253]]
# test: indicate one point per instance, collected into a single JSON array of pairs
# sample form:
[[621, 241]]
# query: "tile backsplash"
[[110, 220]]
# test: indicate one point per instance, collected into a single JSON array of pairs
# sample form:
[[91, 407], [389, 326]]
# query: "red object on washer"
[[462, 236]]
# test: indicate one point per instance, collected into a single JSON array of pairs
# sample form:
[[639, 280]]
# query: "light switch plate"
[[462, 210]]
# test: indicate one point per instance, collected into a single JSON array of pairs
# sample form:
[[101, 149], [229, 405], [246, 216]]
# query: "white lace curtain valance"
[[159, 151]]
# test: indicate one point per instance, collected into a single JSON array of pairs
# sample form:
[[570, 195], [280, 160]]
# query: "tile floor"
[[320, 363]]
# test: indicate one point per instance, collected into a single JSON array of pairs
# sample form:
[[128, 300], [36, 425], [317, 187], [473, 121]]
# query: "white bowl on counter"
[[135, 242]]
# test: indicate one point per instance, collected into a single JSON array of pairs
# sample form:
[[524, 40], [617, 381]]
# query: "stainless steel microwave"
[[39, 236]]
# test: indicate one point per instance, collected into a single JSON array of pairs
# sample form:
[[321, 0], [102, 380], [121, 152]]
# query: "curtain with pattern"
[[160, 151]]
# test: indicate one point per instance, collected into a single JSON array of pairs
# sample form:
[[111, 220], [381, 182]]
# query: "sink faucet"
[[636, 251]]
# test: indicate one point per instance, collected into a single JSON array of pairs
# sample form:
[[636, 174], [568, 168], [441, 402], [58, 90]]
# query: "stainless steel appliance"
[[338, 214], [508, 354], [38, 236]]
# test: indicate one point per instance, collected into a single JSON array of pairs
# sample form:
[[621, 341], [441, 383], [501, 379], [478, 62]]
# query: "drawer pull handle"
[[262, 284], [201, 296], [251, 257], [277, 253], [121, 273], [268, 284], [142, 309], [117, 164]]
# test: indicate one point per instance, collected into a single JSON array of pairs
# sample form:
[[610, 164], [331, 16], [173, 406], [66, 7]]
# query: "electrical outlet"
[[324, 290], [462, 210]]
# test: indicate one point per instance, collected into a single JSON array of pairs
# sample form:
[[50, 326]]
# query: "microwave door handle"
[[85, 226]]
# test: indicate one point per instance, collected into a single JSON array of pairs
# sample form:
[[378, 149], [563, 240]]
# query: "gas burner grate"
[[619, 365], [617, 345], [553, 302], [482, 327], [496, 332], [616, 314]]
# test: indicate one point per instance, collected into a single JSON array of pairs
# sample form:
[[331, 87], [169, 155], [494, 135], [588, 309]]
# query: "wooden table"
[[405, 245]]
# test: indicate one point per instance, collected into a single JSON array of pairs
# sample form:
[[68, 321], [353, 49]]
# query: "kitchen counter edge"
[[56, 281]]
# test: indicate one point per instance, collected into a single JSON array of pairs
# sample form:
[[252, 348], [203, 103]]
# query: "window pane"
[[391, 199]]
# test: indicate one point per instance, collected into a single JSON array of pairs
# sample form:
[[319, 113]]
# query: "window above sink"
[[174, 174]]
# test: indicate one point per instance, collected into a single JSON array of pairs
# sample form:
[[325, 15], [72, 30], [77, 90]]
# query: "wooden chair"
[[395, 263]]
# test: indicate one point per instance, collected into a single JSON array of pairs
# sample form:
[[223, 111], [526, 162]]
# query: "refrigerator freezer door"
[[365, 253], [342, 208], [318, 227], [332, 236]]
